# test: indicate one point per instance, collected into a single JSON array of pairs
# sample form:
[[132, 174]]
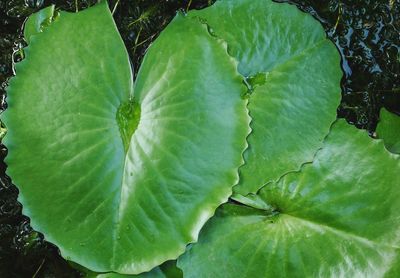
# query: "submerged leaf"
[[293, 72], [114, 188], [337, 217], [389, 130]]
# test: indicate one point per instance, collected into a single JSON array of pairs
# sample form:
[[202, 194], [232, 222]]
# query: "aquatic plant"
[[132, 172]]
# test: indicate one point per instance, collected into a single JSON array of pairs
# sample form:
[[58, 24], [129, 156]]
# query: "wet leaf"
[[38, 21], [108, 203], [337, 217], [294, 78]]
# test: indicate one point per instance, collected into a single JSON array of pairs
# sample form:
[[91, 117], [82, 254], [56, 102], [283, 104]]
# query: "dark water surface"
[[366, 32]]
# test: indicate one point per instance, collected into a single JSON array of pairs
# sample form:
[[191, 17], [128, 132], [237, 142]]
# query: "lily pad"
[[120, 177], [337, 217], [389, 130], [293, 73]]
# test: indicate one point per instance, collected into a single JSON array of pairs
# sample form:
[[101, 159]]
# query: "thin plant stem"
[[40, 267], [188, 6], [338, 18], [115, 7], [137, 40]]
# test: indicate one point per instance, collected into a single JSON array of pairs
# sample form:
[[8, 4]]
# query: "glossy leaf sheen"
[[38, 21], [337, 217], [294, 72], [107, 206], [389, 130]]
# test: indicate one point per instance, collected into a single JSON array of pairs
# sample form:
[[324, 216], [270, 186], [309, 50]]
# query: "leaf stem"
[[115, 7], [188, 6], [40, 266], [338, 18]]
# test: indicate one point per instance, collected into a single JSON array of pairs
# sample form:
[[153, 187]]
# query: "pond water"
[[366, 32]]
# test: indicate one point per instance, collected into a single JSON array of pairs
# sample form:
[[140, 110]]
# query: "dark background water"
[[366, 32]]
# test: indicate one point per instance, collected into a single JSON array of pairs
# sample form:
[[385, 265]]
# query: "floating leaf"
[[389, 130], [122, 181], [294, 74], [38, 21], [337, 217]]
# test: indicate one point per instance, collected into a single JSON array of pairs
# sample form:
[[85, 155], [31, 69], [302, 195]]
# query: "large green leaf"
[[119, 183], [294, 74], [338, 217], [389, 130]]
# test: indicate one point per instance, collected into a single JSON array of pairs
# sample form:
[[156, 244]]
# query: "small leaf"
[[389, 130], [38, 21], [337, 217]]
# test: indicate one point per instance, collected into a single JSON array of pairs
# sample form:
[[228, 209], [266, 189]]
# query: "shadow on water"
[[366, 33]]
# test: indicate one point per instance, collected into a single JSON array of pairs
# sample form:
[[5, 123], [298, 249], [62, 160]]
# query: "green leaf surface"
[[123, 181], [294, 74], [389, 130], [166, 270], [337, 217], [156, 273], [38, 21]]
